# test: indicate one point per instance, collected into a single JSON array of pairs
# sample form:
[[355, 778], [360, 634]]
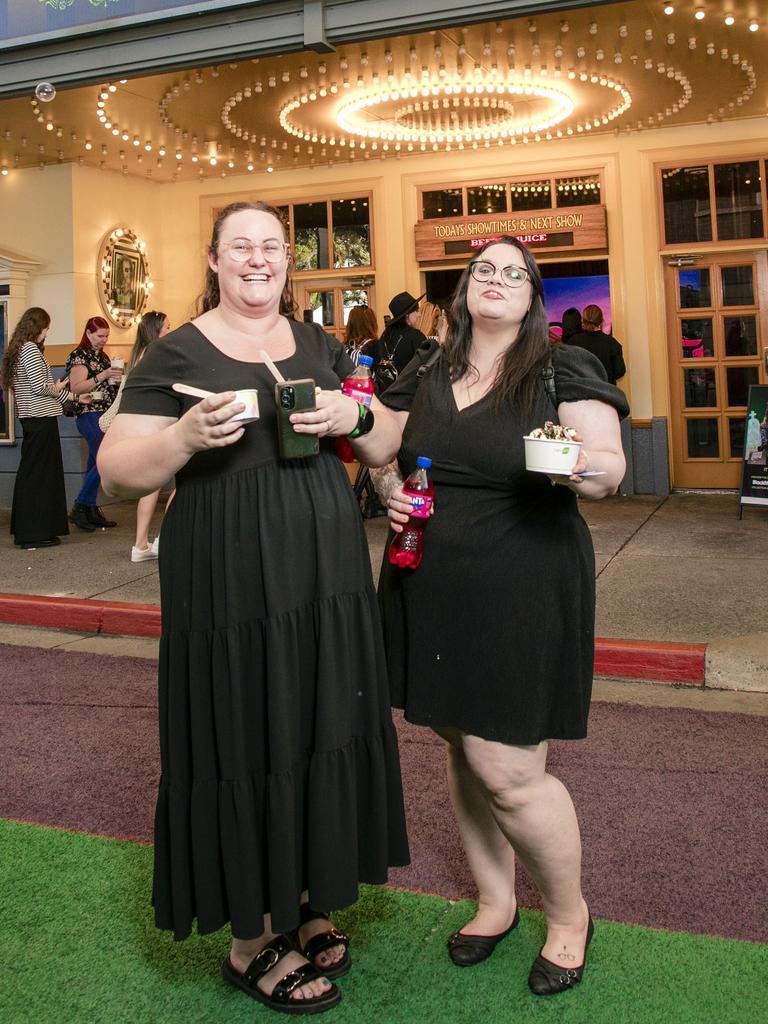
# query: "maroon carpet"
[[672, 803]]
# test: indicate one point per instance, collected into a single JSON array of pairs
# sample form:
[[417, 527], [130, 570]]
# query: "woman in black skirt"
[[490, 641], [280, 787], [39, 513]]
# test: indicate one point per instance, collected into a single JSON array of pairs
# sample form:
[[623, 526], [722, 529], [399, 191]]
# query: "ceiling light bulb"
[[699, 14], [754, 25], [729, 19], [669, 9]]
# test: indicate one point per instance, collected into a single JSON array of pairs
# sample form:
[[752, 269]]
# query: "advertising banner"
[[754, 475]]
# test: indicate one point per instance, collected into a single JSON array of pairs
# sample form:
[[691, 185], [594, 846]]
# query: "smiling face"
[[493, 303], [98, 338], [255, 285]]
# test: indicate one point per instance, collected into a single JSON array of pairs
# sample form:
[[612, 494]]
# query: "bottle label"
[[421, 505], [363, 397]]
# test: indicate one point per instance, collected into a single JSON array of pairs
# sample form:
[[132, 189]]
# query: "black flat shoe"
[[51, 542], [547, 979], [468, 950]]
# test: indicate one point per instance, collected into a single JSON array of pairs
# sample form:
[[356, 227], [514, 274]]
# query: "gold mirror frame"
[[123, 273]]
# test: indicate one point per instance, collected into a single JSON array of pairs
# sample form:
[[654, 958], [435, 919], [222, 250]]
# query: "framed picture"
[[124, 276]]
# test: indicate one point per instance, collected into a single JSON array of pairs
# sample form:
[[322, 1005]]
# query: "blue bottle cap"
[[423, 462], [365, 361]]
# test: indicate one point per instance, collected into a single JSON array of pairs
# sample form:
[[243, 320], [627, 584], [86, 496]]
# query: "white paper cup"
[[117, 363], [545, 456], [249, 397]]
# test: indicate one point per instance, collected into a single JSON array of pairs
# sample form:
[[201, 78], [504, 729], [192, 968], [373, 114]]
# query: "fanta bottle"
[[405, 550], [359, 385]]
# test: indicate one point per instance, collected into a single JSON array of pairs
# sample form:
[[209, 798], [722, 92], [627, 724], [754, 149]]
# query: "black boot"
[[97, 517], [79, 516]]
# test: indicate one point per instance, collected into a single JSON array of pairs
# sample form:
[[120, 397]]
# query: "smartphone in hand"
[[295, 396]]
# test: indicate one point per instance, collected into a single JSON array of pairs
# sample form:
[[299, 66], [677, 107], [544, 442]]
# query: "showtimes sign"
[[577, 228]]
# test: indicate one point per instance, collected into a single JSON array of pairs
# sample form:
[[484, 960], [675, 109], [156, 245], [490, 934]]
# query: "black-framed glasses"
[[513, 277], [242, 249]]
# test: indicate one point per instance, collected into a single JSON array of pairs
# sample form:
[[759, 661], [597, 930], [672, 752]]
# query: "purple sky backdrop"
[[562, 292]]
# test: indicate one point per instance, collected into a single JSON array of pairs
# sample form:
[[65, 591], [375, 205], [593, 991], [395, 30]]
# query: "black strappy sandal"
[[280, 997], [321, 942]]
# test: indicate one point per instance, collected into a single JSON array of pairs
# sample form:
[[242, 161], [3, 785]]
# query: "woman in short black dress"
[[280, 786], [491, 640]]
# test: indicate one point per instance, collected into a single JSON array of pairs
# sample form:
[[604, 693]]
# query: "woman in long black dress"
[[39, 511], [490, 641], [280, 785]]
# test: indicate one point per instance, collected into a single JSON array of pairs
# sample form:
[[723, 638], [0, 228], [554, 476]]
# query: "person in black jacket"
[[604, 346], [399, 342]]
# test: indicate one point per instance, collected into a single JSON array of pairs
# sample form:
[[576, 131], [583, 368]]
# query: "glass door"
[[328, 302], [718, 328]]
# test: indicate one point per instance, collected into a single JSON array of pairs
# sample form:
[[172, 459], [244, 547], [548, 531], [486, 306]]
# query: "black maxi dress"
[[279, 759], [493, 634]]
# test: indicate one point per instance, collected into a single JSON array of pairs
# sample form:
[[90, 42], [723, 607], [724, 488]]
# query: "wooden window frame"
[[331, 271]]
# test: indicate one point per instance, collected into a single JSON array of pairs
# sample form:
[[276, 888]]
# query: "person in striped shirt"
[[39, 511]]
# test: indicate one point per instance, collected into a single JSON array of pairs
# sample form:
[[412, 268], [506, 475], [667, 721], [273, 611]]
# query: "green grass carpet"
[[77, 944]]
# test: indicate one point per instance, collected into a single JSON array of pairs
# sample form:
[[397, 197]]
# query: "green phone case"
[[295, 396]]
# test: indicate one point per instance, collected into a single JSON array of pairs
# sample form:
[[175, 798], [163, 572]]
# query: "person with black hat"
[[399, 342]]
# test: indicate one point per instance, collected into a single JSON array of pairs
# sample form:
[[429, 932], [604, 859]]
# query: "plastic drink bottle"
[[405, 551], [359, 385]]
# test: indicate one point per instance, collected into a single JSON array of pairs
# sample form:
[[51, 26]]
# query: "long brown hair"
[[361, 326], [31, 325], [148, 331], [211, 296], [518, 375], [93, 323]]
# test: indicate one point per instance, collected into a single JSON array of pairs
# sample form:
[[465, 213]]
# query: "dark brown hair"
[[94, 323], [148, 331], [361, 325], [32, 323], [592, 318], [211, 297], [518, 376]]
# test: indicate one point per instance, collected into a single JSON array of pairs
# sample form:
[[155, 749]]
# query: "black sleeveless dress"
[[493, 634], [279, 759]]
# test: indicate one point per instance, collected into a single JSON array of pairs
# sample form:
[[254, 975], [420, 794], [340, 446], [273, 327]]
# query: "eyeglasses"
[[241, 250], [513, 277]]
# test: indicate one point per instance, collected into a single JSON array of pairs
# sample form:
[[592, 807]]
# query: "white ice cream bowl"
[[249, 397], [545, 456]]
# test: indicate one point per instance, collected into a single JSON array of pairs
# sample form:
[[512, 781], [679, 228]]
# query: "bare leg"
[[491, 858], [244, 950], [145, 509], [535, 813]]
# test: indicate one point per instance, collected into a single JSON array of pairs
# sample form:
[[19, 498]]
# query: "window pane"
[[531, 195], [687, 217], [444, 203], [736, 432], [321, 304], [581, 191], [487, 199], [696, 338], [310, 244], [694, 288], [703, 442], [738, 203], [351, 298], [700, 387], [740, 335], [738, 289], [738, 379], [351, 233]]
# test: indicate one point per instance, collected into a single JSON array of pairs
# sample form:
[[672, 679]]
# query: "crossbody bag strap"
[[548, 379]]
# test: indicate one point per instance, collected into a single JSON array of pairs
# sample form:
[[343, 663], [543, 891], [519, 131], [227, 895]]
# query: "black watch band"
[[365, 422]]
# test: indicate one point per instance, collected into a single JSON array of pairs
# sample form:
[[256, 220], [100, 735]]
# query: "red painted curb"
[[657, 661]]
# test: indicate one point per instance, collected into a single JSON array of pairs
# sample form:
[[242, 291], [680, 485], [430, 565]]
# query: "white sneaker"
[[155, 545], [143, 554]]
